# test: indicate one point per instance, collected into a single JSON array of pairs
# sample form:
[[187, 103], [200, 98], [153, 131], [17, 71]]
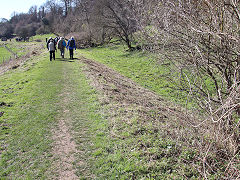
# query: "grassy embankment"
[[147, 154], [145, 71], [139, 66]]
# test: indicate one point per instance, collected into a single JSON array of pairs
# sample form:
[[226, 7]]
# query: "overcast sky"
[[7, 7]]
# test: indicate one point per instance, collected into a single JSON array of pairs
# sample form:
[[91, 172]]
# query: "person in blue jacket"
[[71, 45]]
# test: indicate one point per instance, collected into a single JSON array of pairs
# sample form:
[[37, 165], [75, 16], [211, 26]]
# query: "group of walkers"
[[60, 43]]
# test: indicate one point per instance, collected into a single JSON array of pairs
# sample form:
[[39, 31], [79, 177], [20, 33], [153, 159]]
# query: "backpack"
[[71, 43], [60, 44]]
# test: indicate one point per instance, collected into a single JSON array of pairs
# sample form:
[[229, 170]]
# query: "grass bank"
[[4, 54], [143, 68], [150, 154], [125, 144]]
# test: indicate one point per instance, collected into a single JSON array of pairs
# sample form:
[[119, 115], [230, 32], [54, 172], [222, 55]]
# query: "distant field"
[[20, 48]]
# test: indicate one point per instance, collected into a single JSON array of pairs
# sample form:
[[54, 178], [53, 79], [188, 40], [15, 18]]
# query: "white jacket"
[[51, 46]]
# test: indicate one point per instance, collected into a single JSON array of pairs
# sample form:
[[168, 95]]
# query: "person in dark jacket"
[[71, 45]]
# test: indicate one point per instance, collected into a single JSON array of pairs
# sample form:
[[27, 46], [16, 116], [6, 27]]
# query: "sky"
[[7, 7]]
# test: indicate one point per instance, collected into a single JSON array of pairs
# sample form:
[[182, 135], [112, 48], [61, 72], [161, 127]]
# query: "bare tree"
[[67, 6], [200, 41], [118, 17]]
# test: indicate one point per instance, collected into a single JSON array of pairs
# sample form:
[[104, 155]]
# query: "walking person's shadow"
[[66, 59]]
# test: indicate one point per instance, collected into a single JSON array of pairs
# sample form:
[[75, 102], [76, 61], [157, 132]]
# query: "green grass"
[[134, 150], [42, 37], [145, 69], [18, 48], [109, 146], [83, 105], [141, 67], [29, 95], [144, 155], [21, 48], [4, 54]]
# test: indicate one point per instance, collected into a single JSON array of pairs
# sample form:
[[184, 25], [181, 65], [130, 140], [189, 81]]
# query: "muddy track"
[[126, 94]]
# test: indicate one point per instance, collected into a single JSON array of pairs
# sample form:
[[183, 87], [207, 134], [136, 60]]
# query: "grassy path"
[[26, 123], [79, 119], [39, 103]]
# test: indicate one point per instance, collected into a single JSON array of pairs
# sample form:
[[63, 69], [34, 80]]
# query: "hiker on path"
[[48, 41], [61, 45], [71, 45], [56, 39], [52, 48]]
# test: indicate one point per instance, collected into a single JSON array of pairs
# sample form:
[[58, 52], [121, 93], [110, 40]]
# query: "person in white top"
[[52, 48]]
